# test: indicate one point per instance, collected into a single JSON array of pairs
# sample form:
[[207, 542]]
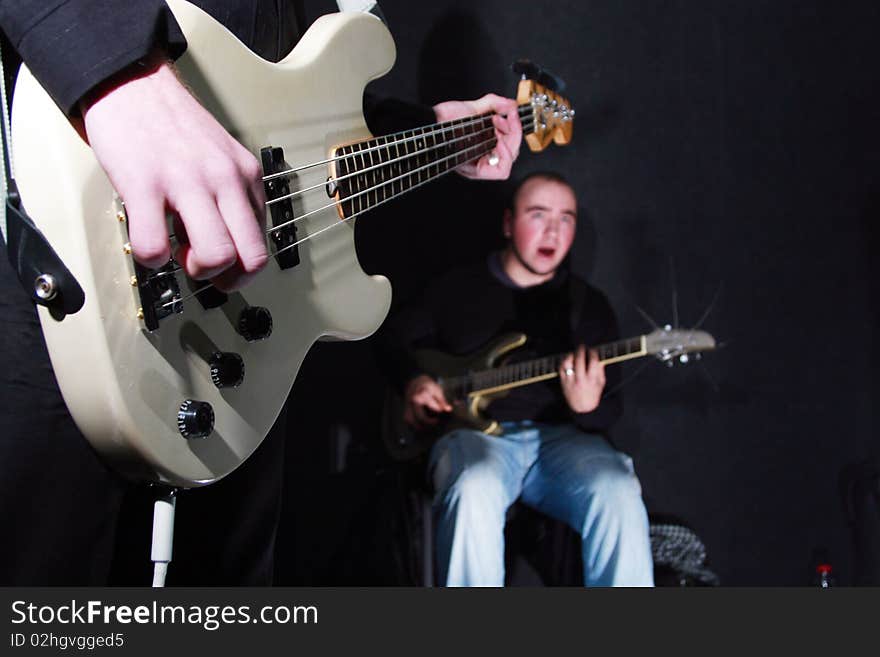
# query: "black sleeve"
[[412, 327], [72, 45], [598, 325]]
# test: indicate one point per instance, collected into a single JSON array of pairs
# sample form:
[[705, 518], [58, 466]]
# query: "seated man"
[[552, 454]]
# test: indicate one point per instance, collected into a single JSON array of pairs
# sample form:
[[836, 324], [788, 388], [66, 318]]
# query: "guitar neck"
[[374, 171], [524, 373]]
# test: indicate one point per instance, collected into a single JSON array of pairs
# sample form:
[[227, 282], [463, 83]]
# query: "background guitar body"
[[123, 384], [405, 443]]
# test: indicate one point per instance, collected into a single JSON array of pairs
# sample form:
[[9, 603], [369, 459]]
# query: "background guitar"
[[470, 383]]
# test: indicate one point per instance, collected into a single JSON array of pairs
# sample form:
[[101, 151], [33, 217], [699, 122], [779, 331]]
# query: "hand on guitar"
[[508, 133], [582, 380], [164, 152], [423, 401]]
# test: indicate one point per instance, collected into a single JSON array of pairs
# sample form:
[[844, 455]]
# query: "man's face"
[[542, 225]]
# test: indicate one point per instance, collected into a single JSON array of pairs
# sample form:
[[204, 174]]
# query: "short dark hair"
[[551, 176]]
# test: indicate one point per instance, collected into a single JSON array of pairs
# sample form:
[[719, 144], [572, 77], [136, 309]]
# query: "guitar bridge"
[[159, 292], [284, 236]]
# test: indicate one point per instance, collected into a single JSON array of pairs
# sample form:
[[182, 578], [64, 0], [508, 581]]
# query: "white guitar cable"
[[163, 536]]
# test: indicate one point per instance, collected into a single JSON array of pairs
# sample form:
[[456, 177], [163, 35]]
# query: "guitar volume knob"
[[227, 369], [255, 323], [195, 419]]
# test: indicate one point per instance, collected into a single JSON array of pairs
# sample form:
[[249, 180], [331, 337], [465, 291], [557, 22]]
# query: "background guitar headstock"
[[669, 344]]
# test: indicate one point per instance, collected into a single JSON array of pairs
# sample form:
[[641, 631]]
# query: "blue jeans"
[[575, 477]]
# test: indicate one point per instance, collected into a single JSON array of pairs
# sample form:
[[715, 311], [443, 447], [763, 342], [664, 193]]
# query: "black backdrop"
[[717, 145]]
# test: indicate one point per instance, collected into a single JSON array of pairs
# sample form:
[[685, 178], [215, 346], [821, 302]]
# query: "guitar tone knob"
[[195, 419], [255, 323], [227, 369]]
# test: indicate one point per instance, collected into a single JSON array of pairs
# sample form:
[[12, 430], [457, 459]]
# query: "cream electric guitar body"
[[173, 390]]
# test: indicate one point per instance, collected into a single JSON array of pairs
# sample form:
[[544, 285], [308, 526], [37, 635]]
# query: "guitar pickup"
[[283, 235], [159, 292]]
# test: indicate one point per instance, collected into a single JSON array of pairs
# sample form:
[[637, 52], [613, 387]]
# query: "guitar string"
[[346, 220], [522, 110], [329, 227], [374, 188], [393, 196], [354, 154]]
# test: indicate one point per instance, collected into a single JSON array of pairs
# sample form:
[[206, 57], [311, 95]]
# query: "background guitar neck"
[[535, 370]]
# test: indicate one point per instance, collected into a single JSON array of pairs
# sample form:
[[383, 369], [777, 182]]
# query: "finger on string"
[[501, 124], [565, 365], [447, 407], [509, 126], [211, 248], [434, 404], [244, 228], [440, 400], [148, 230], [579, 364], [233, 278]]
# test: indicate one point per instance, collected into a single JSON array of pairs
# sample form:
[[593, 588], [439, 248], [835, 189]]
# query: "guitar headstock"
[[551, 117], [669, 344]]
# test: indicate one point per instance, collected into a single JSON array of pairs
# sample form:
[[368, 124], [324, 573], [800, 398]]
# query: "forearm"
[[396, 357]]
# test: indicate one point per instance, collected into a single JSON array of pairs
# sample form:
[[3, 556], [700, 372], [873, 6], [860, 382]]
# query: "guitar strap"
[[29, 252]]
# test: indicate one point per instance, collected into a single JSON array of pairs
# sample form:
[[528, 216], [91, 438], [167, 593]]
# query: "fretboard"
[[532, 371], [371, 172]]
